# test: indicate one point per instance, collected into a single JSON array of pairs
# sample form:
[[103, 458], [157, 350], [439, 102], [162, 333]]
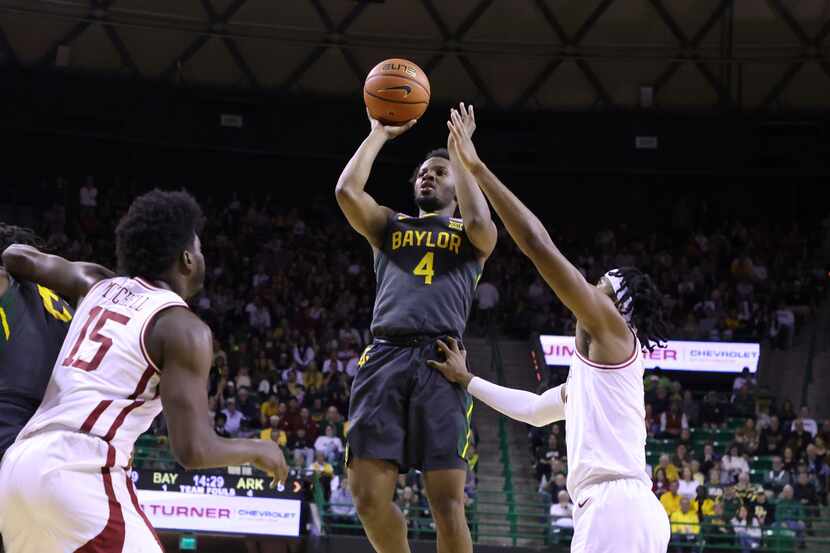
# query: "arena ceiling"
[[509, 54]]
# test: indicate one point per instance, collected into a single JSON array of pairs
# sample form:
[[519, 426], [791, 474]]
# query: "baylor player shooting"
[[404, 414]]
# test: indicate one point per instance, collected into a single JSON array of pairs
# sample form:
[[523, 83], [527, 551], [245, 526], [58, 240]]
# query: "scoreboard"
[[206, 501]]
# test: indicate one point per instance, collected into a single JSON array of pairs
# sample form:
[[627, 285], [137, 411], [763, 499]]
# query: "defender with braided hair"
[[602, 402]]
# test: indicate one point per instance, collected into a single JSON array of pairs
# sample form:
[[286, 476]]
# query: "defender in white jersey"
[[603, 401], [133, 348]]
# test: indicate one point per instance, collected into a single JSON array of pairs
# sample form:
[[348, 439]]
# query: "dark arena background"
[[690, 138]]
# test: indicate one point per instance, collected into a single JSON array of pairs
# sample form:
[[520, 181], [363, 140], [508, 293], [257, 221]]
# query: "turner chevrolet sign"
[[715, 357]]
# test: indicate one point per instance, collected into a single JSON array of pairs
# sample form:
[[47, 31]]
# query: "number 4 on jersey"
[[425, 268]]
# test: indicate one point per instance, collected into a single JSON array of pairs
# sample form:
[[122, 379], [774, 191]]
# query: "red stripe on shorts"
[[111, 538], [134, 499]]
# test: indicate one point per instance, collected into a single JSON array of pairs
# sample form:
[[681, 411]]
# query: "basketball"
[[396, 91]]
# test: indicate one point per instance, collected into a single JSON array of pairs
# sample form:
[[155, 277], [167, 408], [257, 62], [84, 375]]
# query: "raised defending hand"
[[454, 368], [389, 132], [460, 141]]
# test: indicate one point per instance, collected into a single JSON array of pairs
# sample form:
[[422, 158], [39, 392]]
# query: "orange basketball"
[[396, 91]]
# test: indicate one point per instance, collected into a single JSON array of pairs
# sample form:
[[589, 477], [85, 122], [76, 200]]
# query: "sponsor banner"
[[714, 357], [213, 483], [214, 513]]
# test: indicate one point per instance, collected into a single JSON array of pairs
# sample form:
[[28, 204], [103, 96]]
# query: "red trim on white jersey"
[[144, 329], [142, 383], [618, 366], [119, 420], [111, 538], [137, 506], [95, 415], [146, 284]]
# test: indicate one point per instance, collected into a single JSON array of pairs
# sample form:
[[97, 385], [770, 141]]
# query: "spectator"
[[300, 442], [732, 464], [88, 198], [789, 513], [772, 438], [743, 379], [710, 458], [711, 413], [697, 474], [273, 432], [303, 353], [670, 469], [807, 422], [747, 436], [329, 444], [777, 477], [799, 439], [334, 419], [782, 328], [342, 504], [731, 502], [747, 529], [558, 484], [746, 491], [308, 424], [220, 420], [764, 511], [234, 418], [561, 512], [671, 499], [673, 422], [259, 317], [685, 524], [659, 484], [787, 415], [790, 462], [324, 471], [681, 456], [703, 505], [554, 452], [687, 485], [243, 378], [332, 365], [247, 405], [717, 529], [743, 404], [268, 409], [804, 492]]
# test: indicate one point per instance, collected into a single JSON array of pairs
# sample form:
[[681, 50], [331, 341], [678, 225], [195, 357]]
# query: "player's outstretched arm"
[[182, 346], [70, 279], [538, 410], [362, 211], [478, 223], [594, 309]]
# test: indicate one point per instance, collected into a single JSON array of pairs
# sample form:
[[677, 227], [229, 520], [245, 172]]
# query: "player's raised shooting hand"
[[388, 131], [270, 459], [460, 140], [454, 368]]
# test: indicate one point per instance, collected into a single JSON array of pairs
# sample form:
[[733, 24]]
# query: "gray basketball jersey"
[[426, 271]]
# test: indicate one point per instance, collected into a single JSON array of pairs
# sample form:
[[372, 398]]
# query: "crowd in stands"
[[730, 283], [724, 468], [289, 296]]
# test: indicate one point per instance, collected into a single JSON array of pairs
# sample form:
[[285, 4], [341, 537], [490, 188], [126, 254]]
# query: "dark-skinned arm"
[[592, 307], [70, 279], [478, 223], [364, 214], [182, 345]]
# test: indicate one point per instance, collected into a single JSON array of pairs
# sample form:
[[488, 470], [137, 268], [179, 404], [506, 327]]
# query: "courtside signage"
[[215, 513], [714, 357]]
